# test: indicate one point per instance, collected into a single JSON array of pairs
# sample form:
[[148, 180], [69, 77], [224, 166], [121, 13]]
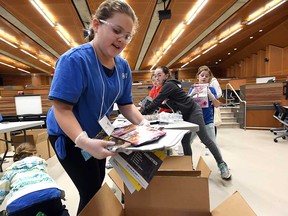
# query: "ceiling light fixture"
[[9, 43], [41, 9], [178, 31], [209, 48], [195, 10], [23, 70], [27, 53], [165, 51], [62, 33], [8, 65], [263, 11], [44, 62], [231, 33], [152, 67], [178, 35], [185, 64], [50, 19], [195, 58]]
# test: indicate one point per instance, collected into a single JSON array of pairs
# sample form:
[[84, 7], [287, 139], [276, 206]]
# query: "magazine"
[[137, 135], [202, 97], [142, 166]]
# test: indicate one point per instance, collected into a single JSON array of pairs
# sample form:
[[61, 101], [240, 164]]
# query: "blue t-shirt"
[[80, 80], [208, 113]]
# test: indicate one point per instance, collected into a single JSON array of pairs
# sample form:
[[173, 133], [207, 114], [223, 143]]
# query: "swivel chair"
[[277, 114], [283, 119]]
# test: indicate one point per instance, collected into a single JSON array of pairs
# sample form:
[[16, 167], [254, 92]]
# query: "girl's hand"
[[195, 91], [210, 95], [95, 147]]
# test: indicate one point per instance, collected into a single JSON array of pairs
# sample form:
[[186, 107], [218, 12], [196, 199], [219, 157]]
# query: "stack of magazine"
[[137, 168], [141, 151]]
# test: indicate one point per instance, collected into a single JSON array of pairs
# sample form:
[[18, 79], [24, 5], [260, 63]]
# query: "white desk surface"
[[13, 126], [180, 125]]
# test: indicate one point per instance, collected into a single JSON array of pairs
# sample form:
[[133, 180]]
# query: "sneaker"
[[225, 173]]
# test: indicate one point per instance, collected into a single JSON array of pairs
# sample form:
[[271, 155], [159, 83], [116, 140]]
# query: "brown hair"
[[165, 70], [204, 68], [108, 8], [24, 150]]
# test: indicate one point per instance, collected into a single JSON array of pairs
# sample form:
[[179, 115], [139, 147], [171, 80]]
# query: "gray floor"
[[257, 164]]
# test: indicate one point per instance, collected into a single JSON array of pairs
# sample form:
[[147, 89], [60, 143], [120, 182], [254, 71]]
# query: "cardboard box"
[[51, 150], [175, 190], [35, 137]]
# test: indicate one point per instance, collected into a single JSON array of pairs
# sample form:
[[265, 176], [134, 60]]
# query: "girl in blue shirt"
[[88, 80], [204, 76]]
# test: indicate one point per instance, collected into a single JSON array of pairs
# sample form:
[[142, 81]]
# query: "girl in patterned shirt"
[[30, 190]]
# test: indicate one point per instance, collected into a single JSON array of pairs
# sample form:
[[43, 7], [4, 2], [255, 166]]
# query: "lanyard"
[[103, 86]]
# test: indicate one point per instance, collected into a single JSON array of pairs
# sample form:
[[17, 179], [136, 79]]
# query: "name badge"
[[106, 125]]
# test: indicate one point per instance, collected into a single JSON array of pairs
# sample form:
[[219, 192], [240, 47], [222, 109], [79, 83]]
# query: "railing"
[[240, 101]]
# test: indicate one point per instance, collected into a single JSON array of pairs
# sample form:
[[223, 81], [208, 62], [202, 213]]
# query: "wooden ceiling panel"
[[24, 22]]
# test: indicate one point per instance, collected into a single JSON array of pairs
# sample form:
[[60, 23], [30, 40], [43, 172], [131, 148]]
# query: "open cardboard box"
[[38, 137], [175, 190]]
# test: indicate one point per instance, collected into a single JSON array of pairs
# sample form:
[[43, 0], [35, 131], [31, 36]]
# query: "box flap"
[[234, 205], [183, 163], [203, 167], [116, 179], [104, 203], [179, 173], [170, 196]]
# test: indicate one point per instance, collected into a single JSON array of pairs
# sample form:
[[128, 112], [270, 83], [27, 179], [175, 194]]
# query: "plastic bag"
[[217, 116]]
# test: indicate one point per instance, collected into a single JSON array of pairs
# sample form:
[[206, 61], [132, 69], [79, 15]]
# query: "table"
[[180, 125], [6, 127]]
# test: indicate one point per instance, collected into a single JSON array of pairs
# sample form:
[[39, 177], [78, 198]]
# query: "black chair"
[[283, 119], [277, 114]]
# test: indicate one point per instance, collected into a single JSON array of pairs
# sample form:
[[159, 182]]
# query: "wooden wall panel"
[[141, 76], [274, 56], [285, 60], [261, 70], [14, 81], [261, 119], [253, 69], [262, 94]]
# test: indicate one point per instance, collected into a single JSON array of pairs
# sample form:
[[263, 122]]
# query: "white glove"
[[145, 122], [95, 147]]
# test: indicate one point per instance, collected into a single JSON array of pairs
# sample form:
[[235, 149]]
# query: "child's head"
[[109, 8], [24, 150], [204, 74], [162, 73]]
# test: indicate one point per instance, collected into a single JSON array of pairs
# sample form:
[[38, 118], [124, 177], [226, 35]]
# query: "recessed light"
[[216, 62], [260, 30], [235, 48], [229, 53], [220, 60], [251, 37]]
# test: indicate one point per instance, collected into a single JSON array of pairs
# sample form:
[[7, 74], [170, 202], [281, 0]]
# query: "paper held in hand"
[[202, 96]]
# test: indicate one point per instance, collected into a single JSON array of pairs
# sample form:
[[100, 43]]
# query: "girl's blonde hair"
[[204, 68], [24, 150], [108, 8]]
